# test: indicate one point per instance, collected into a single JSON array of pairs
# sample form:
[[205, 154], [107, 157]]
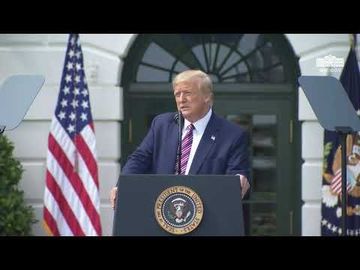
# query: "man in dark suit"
[[211, 144]]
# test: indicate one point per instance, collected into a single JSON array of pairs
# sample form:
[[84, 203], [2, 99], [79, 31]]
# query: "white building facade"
[[103, 57]]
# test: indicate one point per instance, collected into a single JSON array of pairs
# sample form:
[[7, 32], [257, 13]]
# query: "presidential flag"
[[71, 200], [331, 185]]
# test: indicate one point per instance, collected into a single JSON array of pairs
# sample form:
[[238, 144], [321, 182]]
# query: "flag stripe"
[[63, 139], [68, 147], [90, 186], [63, 206], [72, 198], [52, 222], [89, 183], [88, 157], [52, 207], [75, 181]]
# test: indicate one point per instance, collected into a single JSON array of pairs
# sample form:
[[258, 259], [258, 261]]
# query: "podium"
[[138, 204]]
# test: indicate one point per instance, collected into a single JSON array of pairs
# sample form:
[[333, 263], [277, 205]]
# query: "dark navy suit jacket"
[[223, 149]]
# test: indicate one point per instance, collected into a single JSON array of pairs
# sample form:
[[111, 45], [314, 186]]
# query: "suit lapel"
[[172, 145], [207, 142]]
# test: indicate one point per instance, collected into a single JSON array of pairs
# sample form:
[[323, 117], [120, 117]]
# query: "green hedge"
[[16, 218]]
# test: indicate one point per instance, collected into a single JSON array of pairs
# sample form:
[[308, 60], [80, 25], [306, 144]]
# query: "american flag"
[[71, 200]]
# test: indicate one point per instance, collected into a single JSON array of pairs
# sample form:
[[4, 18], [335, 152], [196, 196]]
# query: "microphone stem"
[[179, 142]]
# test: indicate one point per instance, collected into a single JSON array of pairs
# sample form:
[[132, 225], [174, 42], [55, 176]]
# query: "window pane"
[[231, 58], [259, 208], [263, 219], [150, 74], [157, 56]]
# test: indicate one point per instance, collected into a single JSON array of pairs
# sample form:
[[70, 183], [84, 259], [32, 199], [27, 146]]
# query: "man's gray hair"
[[188, 75]]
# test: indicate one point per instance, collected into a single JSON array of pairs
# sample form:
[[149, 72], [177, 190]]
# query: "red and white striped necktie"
[[186, 148]]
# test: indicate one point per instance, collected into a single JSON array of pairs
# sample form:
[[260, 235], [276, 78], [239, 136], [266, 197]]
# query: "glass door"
[[267, 210]]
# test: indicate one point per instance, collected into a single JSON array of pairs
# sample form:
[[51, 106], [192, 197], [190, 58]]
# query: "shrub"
[[16, 218]]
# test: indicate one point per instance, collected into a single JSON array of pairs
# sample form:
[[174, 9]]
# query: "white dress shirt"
[[198, 132]]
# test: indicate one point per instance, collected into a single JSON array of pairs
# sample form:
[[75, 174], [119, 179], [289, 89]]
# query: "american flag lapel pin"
[[213, 137]]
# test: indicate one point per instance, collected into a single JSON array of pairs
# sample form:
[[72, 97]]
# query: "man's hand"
[[113, 193], [244, 185]]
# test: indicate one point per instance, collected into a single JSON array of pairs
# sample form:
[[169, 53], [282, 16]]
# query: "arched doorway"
[[254, 85]]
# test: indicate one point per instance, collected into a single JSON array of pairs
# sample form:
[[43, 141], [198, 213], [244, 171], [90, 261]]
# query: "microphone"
[[179, 119]]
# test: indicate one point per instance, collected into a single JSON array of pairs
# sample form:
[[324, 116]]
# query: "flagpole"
[[343, 134]]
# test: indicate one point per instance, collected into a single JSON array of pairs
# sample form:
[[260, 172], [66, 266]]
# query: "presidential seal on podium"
[[179, 210]]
